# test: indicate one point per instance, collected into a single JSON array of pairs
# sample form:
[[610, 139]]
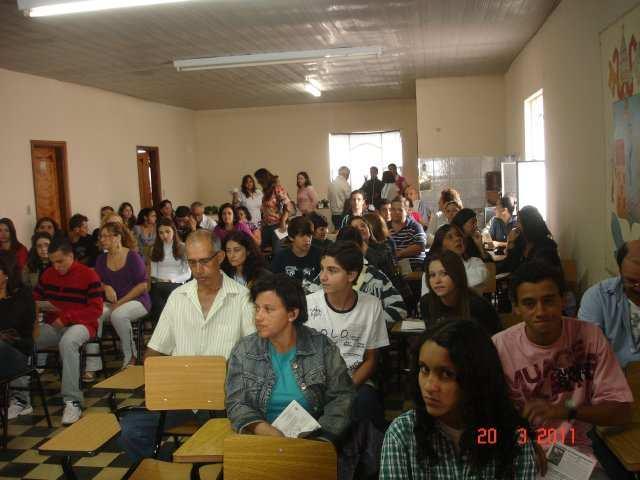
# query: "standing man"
[[614, 305], [339, 191], [202, 220], [372, 188], [70, 294], [357, 207], [205, 316]]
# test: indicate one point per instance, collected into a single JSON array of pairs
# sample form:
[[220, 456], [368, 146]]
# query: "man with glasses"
[[205, 316], [614, 305]]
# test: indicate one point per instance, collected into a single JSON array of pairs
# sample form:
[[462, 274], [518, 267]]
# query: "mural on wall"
[[621, 70]]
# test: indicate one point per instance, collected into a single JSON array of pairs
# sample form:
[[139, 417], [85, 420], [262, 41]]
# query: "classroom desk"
[[206, 445], [624, 442], [130, 378]]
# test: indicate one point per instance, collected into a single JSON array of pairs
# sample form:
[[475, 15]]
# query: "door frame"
[[62, 166], [156, 184]]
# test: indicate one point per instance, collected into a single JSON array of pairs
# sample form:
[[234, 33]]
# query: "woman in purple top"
[[124, 278], [228, 221]]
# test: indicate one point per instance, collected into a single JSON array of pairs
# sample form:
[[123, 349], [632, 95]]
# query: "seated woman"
[[462, 401], [38, 259], [440, 217], [9, 242], [381, 237], [450, 296], [285, 361], [124, 278], [105, 211], [529, 240], [449, 237], [128, 239], [504, 221], [376, 255], [374, 281], [244, 216], [17, 317], [467, 221], [128, 214], [48, 225], [228, 222], [145, 231], [243, 261], [169, 268], [165, 209]]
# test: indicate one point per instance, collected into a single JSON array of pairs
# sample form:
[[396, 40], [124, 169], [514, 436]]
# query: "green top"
[[286, 387]]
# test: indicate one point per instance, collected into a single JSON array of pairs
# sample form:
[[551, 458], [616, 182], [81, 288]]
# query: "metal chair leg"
[[43, 397]]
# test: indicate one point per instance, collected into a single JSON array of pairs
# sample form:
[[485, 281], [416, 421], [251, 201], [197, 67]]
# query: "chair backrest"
[[276, 458], [489, 285], [184, 383]]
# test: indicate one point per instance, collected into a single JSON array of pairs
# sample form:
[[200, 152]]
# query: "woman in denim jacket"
[[285, 361]]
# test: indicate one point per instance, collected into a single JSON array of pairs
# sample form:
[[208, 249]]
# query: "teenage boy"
[[561, 371], [301, 261], [84, 246], [354, 321], [320, 231]]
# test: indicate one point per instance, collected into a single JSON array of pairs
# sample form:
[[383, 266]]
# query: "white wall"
[[102, 131]]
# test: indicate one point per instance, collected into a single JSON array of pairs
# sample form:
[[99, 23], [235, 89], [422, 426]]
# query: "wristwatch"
[[570, 405]]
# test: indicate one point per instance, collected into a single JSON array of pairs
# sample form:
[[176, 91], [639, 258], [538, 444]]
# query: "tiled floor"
[[27, 433]]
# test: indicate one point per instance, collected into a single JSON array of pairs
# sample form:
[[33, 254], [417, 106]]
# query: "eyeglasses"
[[200, 261]]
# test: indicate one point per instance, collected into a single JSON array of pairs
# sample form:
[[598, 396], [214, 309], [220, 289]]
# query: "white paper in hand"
[[566, 463], [281, 233], [295, 420], [411, 325]]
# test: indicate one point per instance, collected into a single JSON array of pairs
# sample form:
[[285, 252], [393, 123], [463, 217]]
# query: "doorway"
[[148, 160], [50, 180]]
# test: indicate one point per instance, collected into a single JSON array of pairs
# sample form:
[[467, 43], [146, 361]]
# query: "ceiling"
[[130, 51]]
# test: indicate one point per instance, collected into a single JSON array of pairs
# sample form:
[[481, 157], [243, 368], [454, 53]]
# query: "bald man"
[[205, 316], [614, 305]]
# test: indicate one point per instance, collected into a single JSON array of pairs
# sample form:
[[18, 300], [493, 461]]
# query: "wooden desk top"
[[128, 379], [85, 437], [206, 445]]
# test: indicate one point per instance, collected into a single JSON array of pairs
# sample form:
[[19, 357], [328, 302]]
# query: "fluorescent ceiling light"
[[312, 90], [276, 58], [45, 8]]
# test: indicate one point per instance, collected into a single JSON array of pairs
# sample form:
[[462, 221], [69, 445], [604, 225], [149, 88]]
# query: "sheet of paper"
[[280, 233], [295, 420], [412, 326], [566, 463]]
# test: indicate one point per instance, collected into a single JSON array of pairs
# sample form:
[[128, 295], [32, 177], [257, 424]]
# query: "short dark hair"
[[347, 255], [183, 211], [318, 220], [535, 271], [300, 226], [350, 234], [379, 202], [60, 244], [288, 289], [247, 213], [508, 202], [77, 220], [621, 254]]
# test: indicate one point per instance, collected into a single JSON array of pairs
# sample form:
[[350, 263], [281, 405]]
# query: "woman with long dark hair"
[[128, 214], [251, 198], [243, 261], [467, 221], [529, 240], [464, 418], [48, 225], [9, 242], [276, 208], [307, 197], [169, 268], [38, 259], [450, 296], [228, 222], [244, 216], [145, 231]]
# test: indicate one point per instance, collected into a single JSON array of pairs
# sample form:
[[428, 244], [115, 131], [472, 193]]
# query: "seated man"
[[74, 294], [202, 220], [561, 371], [205, 316], [408, 235], [354, 321], [302, 260], [614, 305], [185, 223], [85, 249]]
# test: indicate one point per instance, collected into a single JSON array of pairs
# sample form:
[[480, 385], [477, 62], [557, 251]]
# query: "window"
[[361, 151], [532, 180]]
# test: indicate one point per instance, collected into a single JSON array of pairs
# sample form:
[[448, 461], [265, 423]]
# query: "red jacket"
[[78, 294]]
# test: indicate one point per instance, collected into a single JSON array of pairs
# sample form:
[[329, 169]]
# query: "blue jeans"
[[138, 429]]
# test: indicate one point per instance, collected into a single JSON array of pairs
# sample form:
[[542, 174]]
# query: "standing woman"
[[9, 242], [276, 208], [251, 198], [307, 196], [390, 189], [38, 259], [461, 393], [450, 296], [243, 261], [124, 278], [228, 222], [169, 268], [145, 231], [128, 215]]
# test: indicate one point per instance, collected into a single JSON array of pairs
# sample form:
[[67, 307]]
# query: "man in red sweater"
[[71, 296]]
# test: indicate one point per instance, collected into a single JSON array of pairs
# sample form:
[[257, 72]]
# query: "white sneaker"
[[18, 407], [72, 413]]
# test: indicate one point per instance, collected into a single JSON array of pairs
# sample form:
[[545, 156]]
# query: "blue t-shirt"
[[286, 388]]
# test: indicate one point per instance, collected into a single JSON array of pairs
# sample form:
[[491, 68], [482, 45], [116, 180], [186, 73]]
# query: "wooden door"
[[144, 179], [47, 183]]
